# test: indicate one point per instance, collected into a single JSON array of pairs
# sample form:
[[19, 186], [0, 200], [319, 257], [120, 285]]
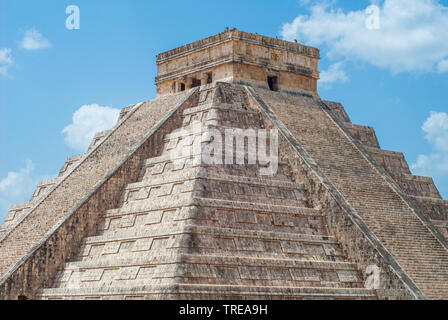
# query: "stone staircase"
[[421, 190], [19, 211], [190, 230], [386, 213], [38, 221]]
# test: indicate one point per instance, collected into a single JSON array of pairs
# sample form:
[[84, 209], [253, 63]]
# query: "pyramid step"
[[70, 163], [211, 238], [222, 213], [206, 174], [433, 208], [404, 236], [99, 255], [440, 223], [267, 208], [42, 188], [98, 137], [128, 211], [15, 215], [421, 267], [17, 211], [202, 124], [145, 207], [166, 164], [429, 274], [168, 158], [203, 184], [284, 198], [221, 107], [173, 193], [204, 130], [207, 292], [191, 268], [220, 114], [430, 200], [214, 203], [207, 240], [216, 212], [365, 135], [392, 161], [175, 228], [160, 258], [417, 185]]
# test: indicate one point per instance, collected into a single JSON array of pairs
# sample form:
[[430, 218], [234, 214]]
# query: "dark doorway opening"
[[195, 83], [273, 83], [182, 87], [209, 77]]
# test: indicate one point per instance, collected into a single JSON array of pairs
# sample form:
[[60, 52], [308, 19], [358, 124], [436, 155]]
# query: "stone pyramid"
[[143, 214]]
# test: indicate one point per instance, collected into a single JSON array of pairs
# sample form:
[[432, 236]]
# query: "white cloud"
[[436, 133], [334, 74], [412, 34], [88, 120], [16, 187], [304, 2], [442, 66], [5, 61], [34, 40]]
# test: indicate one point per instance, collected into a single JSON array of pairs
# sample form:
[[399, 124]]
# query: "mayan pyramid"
[[141, 215]]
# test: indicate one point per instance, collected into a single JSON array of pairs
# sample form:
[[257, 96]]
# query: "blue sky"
[[57, 86]]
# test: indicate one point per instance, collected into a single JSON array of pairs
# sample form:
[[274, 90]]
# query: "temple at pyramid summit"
[[143, 214]]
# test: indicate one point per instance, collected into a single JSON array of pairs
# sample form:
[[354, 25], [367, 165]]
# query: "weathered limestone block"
[[365, 135]]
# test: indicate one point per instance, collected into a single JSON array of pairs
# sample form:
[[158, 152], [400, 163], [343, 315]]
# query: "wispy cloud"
[[436, 133], [442, 66], [411, 36], [17, 187], [86, 121], [334, 74], [34, 40], [5, 61]]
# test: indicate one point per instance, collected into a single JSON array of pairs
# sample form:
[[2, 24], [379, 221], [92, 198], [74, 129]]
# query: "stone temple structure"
[[136, 217]]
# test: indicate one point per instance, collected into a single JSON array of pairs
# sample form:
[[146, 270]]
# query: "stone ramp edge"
[[83, 200], [73, 168], [335, 193]]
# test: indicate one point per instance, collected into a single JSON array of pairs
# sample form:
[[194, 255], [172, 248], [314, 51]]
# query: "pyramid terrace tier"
[[209, 292]]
